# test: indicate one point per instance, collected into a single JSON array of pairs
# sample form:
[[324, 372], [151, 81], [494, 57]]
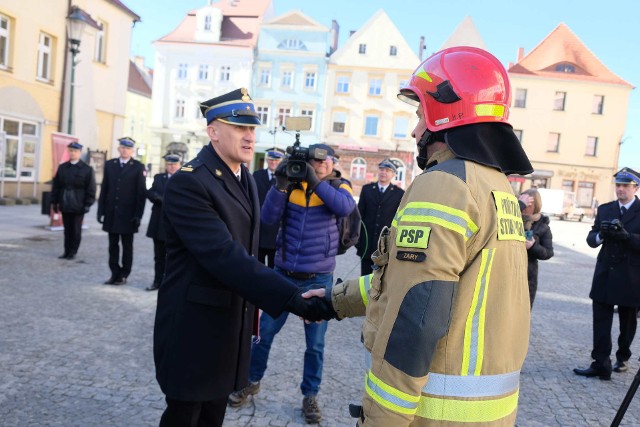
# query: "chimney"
[[520, 54], [421, 48], [139, 61], [335, 34], [351, 32]]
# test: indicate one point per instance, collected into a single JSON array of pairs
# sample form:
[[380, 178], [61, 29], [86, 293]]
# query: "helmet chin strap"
[[425, 140]]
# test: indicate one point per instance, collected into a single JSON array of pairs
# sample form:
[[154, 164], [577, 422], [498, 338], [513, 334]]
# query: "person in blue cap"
[[120, 208], [265, 179], [378, 204], [616, 278], [213, 283], [72, 194], [155, 230]]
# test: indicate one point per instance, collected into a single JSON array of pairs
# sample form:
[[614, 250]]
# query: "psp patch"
[[413, 236], [411, 256]]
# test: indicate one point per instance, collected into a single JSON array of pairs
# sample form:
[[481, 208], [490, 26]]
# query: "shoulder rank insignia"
[[218, 172], [186, 169]]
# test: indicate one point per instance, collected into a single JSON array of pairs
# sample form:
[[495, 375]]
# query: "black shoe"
[[620, 366], [153, 287], [120, 281], [63, 256], [71, 256], [593, 372], [110, 281]]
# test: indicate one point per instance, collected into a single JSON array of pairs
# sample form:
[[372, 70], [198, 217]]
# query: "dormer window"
[[292, 44], [207, 23], [565, 68]]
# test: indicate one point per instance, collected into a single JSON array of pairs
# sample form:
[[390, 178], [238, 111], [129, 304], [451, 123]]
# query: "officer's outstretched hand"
[[310, 308], [282, 182], [101, 219], [311, 178]]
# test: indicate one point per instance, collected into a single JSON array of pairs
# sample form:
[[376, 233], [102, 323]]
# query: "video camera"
[[297, 156], [613, 225]]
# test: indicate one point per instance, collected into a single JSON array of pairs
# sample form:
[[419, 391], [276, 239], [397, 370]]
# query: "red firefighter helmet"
[[459, 86]]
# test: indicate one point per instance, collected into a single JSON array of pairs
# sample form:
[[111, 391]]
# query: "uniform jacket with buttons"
[[206, 304], [122, 196], [376, 211], [268, 232], [616, 279], [447, 306], [156, 196], [74, 187]]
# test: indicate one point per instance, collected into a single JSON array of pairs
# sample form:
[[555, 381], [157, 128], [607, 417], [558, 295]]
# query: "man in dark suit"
[[73, 192], [120, 208], [378, 204], [213, 283], [616, 279], [265, 179], [156, 226]]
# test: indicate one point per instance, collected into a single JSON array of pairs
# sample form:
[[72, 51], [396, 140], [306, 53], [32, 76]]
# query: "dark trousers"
[[159, 259], [72, 231], [267, 256], [194, 414], [366, 265], [602, 323], [118, 271]]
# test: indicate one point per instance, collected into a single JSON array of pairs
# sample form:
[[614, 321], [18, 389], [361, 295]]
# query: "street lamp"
[[76, 21]]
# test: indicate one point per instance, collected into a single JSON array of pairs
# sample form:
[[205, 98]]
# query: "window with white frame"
[[182, 71], [225, 73], [44, 57], [358, 168], [592, 146], [553, 143], [375, 87], [180, 108], [292, 44], [310, 80], [400, 127], [203, 72], [401, 171], [520, 100], [393, 51], [207, 23], [343, 84], [19, 152], [559, 100], [598, 104], [307, 112], [5, 31], [265, 76], [287, 79], [518, 133], [371, 125], [362, 49], [263, 114], [101, 44], [283, 113], [339, 121]]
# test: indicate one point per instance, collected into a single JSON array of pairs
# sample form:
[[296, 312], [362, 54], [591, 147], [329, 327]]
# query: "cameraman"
[[616, 279], [306, 248]]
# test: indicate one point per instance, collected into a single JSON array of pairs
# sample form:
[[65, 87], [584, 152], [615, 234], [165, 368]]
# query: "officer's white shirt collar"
[[238, 173], [74, 162], [628, 205], [382, 188], [122, 161]]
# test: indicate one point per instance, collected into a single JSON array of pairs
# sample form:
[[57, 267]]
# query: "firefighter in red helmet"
[[447, 305]]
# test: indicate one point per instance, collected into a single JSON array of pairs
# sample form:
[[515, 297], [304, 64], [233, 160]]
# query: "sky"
[[609, 30]]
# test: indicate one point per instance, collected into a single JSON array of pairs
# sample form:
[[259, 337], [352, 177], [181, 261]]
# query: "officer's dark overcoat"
[[205, 311], [616, 279], [74, 187], [376, 210], [268, 232], [155, 195], [122, 196]]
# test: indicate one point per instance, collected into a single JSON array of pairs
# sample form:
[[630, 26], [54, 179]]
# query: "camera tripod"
[[627, 400]]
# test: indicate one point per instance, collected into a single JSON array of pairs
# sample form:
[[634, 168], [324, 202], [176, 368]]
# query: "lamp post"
[[76, 22]]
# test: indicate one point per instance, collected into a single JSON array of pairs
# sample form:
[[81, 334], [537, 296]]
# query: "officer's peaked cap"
[[386, 163], [235, 108], [75, 145], [126, 141], [627, 176], [172, 158], [275, 153]]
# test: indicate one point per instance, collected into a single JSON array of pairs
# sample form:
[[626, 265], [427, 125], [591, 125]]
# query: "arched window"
[[358, 168], [292, 44], [401, 172]]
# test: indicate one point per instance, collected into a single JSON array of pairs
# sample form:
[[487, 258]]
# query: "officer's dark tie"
[[272, 180], [623, 210], [381, 190]]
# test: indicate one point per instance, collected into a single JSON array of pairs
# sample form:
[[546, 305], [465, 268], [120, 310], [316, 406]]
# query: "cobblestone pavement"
[[76, 353]]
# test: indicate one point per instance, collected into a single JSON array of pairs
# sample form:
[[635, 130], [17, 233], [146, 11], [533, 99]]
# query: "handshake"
[[312, 304], [613, 230]]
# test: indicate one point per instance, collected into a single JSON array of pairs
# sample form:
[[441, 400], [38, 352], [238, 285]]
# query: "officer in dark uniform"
[[73, 192], [265, 179], [120, 208], [156, 226], [378, 204], [213, 283], [616, 279]]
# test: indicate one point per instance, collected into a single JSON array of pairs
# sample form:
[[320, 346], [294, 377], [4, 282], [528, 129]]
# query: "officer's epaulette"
[[191, 166]]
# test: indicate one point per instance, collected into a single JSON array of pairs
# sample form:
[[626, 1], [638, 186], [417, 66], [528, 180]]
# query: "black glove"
[[312, 309], [87, 209], [101, 219], [311, 178], [621, 234], [55, 207], [135, 222], [282, 182]]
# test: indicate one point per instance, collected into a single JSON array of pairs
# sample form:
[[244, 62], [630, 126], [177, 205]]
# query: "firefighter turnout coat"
[[447, 306]]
